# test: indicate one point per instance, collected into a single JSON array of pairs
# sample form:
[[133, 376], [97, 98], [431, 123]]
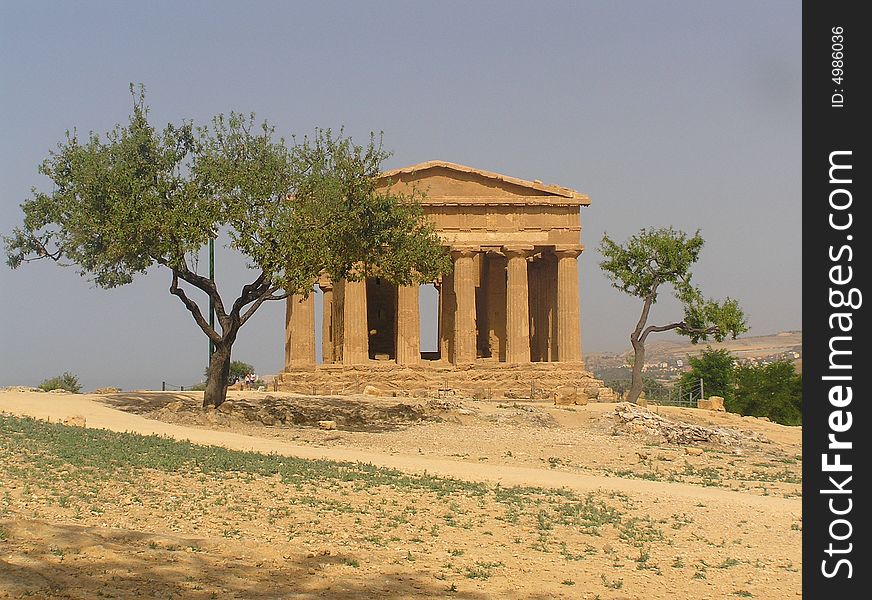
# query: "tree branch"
[[251, 292], [680, 325], [205, 284], [268, 295], [637, 335], [194, 309]]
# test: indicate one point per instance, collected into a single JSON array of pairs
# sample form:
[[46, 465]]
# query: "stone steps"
[[482, 380]]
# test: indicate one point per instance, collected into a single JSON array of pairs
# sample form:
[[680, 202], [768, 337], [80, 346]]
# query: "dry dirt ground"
[[520, 500]]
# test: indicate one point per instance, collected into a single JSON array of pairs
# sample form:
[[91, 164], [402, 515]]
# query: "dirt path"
[[97, 415]]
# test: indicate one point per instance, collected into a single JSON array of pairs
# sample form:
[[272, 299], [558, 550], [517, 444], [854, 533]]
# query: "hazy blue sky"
[[682, 113]]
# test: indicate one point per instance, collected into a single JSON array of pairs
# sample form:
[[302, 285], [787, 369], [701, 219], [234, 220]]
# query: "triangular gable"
[[445, 182]]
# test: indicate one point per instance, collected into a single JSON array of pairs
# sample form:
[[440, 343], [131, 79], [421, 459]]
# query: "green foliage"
[[658, 256], [715, 368], [140, 197], [773, 391], [650, 258], [67, 381]]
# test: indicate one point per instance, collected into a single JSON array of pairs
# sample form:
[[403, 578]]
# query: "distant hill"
[[749, 347]]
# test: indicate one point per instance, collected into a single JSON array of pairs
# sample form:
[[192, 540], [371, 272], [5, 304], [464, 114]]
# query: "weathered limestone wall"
[[485, 379]]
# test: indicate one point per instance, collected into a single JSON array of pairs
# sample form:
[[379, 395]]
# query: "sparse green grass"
[[614, 584], [481, 570], [46, 455]]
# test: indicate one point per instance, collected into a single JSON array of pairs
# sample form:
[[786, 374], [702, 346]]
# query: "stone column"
[[464, 293], [408, 329], [568, 325], [447, 311], [547, 284], [327, 323], [495, 303], [517, 306], [289, 347], [355, 350], [300, 331]]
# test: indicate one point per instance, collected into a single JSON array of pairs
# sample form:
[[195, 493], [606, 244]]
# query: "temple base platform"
[[483, 380]]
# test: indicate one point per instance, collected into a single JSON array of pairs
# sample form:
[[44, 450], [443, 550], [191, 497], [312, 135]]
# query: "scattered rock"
[[328, 425], [175, 406], [606, 395], [592, 393], [371, 390], [565, 396], [106, 390], [59, 391], [20, 388], [691, 451], [440, 404], [74, 421], [226, 407], [713, 403]]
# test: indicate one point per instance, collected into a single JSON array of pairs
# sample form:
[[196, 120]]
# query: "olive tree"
[[139, 197], [660, 256]]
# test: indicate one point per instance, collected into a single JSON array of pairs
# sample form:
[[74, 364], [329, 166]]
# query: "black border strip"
[[835, 546]]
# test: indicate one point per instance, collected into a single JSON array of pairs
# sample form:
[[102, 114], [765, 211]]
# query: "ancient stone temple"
[[508, 314]]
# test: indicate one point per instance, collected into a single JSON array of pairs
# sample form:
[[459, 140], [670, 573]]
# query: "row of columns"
[[345, 334]]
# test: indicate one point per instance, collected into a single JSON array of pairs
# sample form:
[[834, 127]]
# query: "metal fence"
[[680, 396]]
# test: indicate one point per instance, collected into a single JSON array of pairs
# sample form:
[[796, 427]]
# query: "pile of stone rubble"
[[632, 419]]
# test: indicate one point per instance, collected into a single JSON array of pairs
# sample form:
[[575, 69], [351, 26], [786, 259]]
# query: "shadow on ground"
[[48, 560], [350, 413]]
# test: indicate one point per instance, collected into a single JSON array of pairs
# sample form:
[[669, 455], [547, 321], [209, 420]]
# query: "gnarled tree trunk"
[[638, 362], [216, 380]]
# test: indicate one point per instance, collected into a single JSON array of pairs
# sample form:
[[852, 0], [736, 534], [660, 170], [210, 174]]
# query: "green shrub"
[[67, 381], [773, 391]]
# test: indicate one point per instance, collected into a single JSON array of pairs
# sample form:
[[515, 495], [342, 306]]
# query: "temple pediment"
[[446, 183]]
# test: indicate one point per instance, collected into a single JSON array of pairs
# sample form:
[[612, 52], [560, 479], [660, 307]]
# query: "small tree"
[[239, 370], [659, 256], [141, 198], [715, 368]]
